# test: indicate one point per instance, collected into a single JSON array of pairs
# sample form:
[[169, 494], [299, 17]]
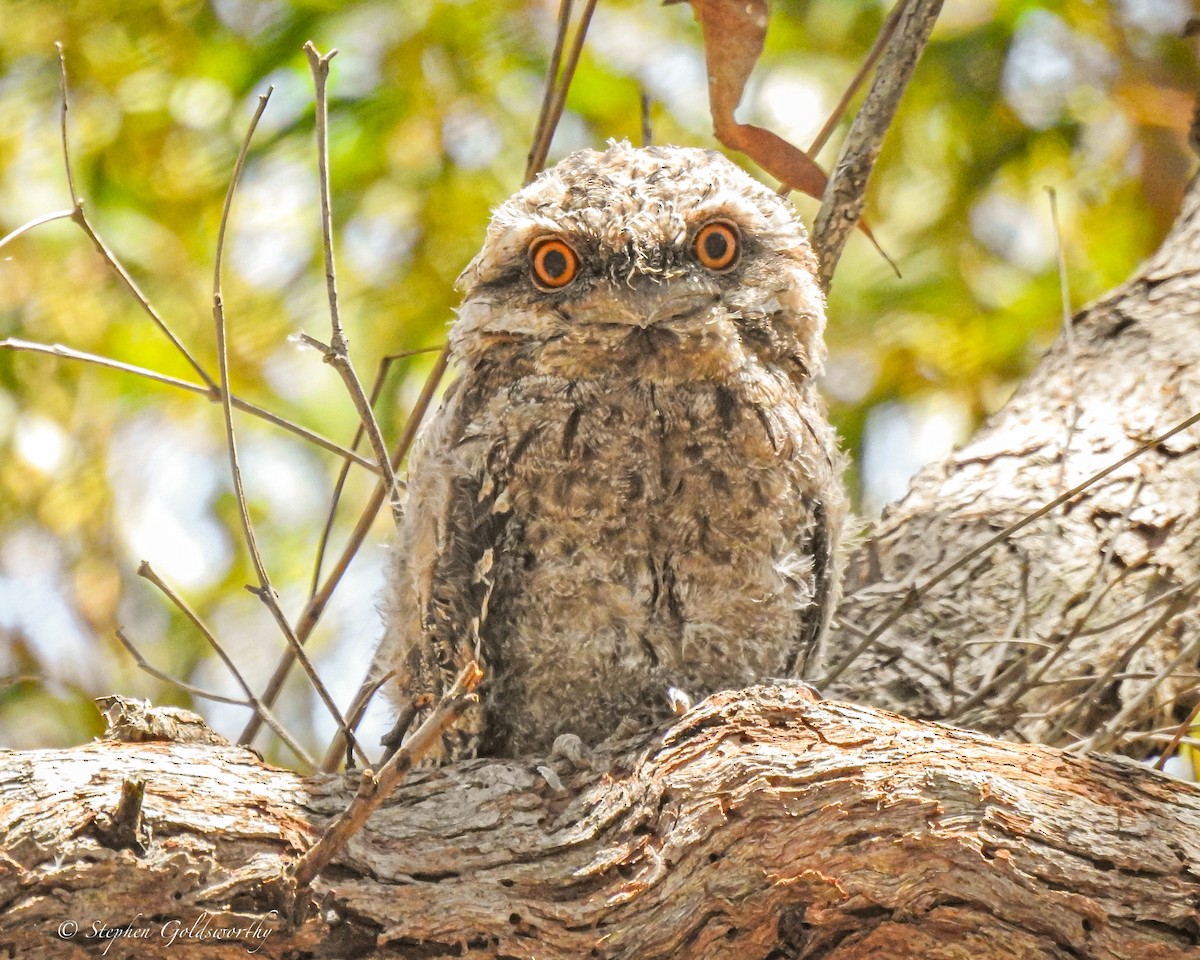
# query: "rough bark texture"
[[1018, 642], [761, 825]]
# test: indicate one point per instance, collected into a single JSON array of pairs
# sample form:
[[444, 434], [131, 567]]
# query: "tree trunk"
[[1067, 624], [763, 824]]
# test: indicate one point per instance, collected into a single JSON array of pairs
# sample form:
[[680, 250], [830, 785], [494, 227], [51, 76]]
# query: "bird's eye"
[[717, 245], [553, 262]]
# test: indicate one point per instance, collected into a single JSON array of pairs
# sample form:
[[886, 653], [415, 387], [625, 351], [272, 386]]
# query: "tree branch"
[[846, 191], [761, 824]]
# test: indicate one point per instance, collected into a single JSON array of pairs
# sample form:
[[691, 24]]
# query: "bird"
[[632, 488]]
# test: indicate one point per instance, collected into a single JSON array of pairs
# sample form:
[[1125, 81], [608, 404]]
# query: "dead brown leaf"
[[734, 31]]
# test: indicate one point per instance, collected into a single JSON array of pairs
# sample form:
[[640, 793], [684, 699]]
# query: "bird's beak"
[[643, 304]]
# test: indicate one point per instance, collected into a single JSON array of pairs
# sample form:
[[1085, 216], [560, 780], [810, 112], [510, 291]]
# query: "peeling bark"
[[763, 824]]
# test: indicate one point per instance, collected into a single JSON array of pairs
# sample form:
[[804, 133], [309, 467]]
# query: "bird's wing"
[[456, 521], [816, 541]]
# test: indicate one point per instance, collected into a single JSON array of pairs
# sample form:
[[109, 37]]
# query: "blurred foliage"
[[432, 110]]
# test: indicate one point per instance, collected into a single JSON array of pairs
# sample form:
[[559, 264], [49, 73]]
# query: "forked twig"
[[1103, 738], [1180, 734], [36, 222], [147, 667], [552, 112], [374, 788], [213, 395], [560, 38], [339, 484], [80, 218], [265, 591], [316, 604], [78, 215], [547, 126], [337, 352], [864, 70], [260, 709], [1089, 696]]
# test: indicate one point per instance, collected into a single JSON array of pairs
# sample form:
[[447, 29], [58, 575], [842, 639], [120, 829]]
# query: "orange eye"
[[554, 263], [717, 245]]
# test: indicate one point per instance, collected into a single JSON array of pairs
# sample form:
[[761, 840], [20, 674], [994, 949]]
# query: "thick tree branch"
[[763, 824]]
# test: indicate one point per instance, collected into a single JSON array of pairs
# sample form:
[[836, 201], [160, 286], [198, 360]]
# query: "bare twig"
[[560, 37], [1068, 337], [545, 131], [373, 789], [845, 193], [337, 353], [916, 593], [316, 604], [78, 215], [385, 365], [864, 70], [644, 108], [1103, 738], [1180, 735], [1089, 696], [62, 120], [358, 709], [552, 111], [260, 709], [147, 667], [1019, 677], [37, 222], [211, 390], [340, 361], [213, 394], [1102, 586], [265, 591]]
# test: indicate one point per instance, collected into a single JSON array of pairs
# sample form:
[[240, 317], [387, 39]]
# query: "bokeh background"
[[432, 109]]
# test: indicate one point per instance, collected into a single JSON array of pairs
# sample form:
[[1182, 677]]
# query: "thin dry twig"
[[36, 222], [147, 667], [385, 365], [845, 193], [316, 604], [81, 219], [644, 104], [916, 593], [265, 591], [78, 215], [358, 709], [1116, 725], [545, 132], [1181, 734], [560, 38], [62, 122], [374, 788], [1068, 337], [1089, 697], [68, 353], [864, 70], [1018, 678], [1102, 586], [260, 709], [337, 352], [552, 109]]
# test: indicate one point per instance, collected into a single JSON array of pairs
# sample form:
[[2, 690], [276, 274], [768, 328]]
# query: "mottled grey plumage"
[[632, 485]]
